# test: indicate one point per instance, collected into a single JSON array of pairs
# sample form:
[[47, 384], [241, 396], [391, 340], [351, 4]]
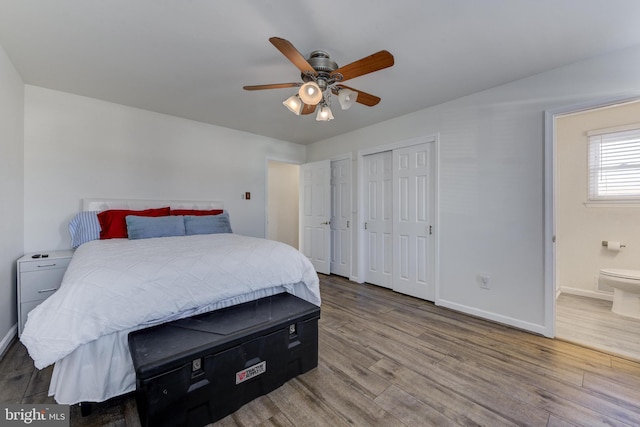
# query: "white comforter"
[[118, 285]]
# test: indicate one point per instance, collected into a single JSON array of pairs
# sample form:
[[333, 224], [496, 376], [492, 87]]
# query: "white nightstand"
[[39, 278]]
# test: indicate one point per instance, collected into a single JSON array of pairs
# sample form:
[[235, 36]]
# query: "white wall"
[[11, 192], [283, 188], [491, 177], [580, 230], [77, 147]]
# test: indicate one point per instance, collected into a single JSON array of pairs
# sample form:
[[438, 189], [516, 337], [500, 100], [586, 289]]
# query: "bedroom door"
[[341, 217], [378, 225], [413, 214], [315, 214]]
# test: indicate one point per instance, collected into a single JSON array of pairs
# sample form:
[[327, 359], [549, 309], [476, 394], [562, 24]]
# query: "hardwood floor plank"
[[629, 366], [257, 412], [582, 355], [614, 390], [410, 410], [39, 381], [16, 359], [491, 389], [444, 400], [337, 392], [581, 403], [345, 364], [498, 376], [278, 420], [302, 407], [403, 351], [471, 347], [14, 386], [590, 322], [558, 422], [38, 398]]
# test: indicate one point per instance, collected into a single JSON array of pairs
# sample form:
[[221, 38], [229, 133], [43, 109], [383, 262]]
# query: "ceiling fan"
[[321, 77]]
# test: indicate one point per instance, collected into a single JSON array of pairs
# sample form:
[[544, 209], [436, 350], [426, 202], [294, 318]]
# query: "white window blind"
[[614, 165]]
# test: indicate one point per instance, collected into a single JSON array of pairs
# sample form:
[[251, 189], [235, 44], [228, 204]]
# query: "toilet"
[[626, 290]]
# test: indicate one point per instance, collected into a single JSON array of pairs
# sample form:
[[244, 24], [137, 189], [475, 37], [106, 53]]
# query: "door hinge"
[[430, 230]]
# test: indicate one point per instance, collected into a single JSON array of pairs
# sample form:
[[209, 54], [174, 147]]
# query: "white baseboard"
[[586, 293], [527, 326], [7, 340]]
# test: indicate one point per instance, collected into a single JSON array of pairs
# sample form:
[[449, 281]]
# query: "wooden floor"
[[392, 360], [590, 322]]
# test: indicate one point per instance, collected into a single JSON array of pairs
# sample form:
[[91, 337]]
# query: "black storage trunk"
[[194, 371]]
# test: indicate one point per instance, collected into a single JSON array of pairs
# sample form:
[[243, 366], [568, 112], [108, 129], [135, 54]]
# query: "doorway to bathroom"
[[583, 304]]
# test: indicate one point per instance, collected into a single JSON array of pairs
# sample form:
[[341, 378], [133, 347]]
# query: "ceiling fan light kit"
[[310, 93], [322, 77], [346, 98], [294, 104], [324, 114]]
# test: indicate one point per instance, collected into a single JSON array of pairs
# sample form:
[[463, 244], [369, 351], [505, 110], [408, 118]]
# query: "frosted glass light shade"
[[310, 93], [294, 104], [324, 114], [347, 98]]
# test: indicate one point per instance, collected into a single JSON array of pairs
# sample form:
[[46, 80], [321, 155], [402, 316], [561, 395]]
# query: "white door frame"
[[550, 198], [360, 236]]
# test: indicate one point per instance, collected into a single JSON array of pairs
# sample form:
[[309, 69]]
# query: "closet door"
[[413, 215], [378, 219], [315, 210], [341, 217]]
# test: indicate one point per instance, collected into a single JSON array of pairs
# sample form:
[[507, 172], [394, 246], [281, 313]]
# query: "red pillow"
[[113, 224], [196, 212]]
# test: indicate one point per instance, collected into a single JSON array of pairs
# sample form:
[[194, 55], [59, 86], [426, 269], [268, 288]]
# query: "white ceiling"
[[190, 58]]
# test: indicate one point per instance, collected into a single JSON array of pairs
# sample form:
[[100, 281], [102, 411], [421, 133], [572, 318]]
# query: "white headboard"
[[136, 204]]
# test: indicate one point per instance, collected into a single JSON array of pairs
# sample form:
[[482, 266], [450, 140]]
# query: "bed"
[[117, 285]]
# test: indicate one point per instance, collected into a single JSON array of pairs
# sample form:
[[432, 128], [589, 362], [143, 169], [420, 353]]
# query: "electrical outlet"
[[484, 280]]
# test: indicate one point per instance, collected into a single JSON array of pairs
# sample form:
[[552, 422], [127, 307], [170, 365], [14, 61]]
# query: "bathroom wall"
[[580, 230], [282, 202]]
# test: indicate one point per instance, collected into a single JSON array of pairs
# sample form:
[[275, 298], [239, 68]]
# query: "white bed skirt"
[[102, 369]]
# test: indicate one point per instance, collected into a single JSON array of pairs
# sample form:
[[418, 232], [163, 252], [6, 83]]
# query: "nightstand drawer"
[[38, 279], [25, 308], [44, 264], [39, 285]]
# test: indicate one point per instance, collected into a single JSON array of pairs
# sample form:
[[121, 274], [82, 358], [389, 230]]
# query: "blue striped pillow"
[[84, 227]]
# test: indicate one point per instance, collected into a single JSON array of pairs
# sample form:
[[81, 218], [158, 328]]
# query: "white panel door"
[[341, 217], [315, 206], [378, 219], [413, 242]]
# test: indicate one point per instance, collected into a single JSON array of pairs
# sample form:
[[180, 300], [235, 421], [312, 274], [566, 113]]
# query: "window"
[[614, 165]]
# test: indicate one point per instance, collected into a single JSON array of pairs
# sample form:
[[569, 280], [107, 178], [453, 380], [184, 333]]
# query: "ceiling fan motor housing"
[[323, 65]]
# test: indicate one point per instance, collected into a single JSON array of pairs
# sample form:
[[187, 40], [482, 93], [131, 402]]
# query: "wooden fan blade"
[[272, 86], [308, 109], [292, 54], [363, 98], [369, 64]]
